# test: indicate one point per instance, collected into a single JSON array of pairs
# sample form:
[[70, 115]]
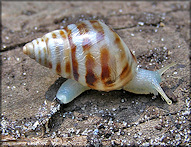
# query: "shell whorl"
[[89, 52]]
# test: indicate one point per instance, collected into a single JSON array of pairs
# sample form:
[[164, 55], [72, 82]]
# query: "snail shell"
[[92, 56], [89, 52]]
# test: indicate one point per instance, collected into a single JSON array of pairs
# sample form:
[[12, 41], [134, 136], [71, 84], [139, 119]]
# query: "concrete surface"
[[158, 33]]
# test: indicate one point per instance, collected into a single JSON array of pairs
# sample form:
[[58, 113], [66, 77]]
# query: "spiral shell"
[[89, 52]]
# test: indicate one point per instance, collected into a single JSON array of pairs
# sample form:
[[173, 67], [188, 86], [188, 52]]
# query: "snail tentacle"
[[160, 90], [162, 70]]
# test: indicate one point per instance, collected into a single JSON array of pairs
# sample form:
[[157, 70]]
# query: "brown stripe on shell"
[[33, 52], [48, 51], [90, 76], [50, 64], [100, 32], [82, 27], [58, 68], [73, 55], [45, 56], [53, 35], [29, 52], [62, 34], [125, 72], [67, 67], [75, 64], [67, 62], [105, 73], [83, 30], [48, 54], [39, 54]]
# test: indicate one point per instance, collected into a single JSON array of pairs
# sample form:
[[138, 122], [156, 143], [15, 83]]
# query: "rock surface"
[[158, 33]]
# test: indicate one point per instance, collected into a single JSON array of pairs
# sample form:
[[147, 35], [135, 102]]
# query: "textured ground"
[[158, 33]]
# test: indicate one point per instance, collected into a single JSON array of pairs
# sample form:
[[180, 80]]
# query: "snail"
[[92, 56]]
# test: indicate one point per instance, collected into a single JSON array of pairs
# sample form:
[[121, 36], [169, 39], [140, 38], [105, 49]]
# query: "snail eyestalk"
[[157, 86], [160, 90], [162, 70]]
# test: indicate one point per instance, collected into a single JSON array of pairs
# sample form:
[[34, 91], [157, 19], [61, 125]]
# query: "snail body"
[[92, 56]]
